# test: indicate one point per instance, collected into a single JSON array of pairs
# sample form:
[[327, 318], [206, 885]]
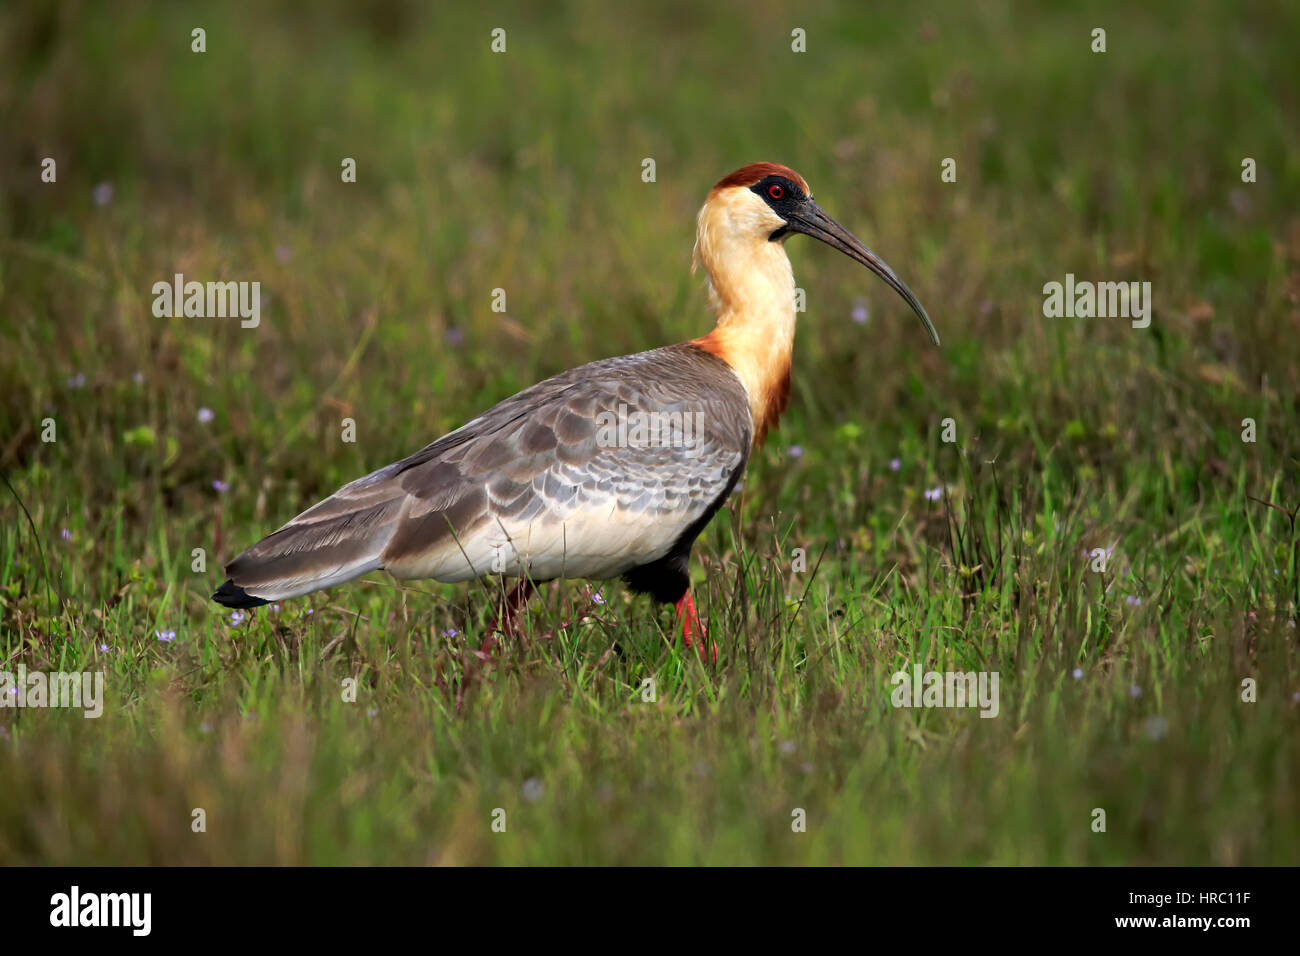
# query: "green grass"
[[522, 171]]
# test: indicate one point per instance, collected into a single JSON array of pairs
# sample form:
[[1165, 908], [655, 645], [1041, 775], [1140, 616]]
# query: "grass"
[[522, 171]]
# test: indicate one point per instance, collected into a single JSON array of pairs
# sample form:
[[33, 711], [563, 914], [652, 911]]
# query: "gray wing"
[[588, 474]]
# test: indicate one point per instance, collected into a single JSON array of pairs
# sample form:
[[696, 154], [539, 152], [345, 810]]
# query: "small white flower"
[[1155, 727]]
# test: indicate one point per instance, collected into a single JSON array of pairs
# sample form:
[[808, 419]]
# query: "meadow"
[[1158, 681]]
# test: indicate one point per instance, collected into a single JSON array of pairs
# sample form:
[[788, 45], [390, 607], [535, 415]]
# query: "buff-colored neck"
[[751, 289]]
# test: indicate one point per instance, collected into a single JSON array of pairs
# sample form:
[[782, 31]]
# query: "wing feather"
[[534, 485]]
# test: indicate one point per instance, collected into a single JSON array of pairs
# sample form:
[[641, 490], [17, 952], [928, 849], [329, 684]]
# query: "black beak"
[[812, 221]]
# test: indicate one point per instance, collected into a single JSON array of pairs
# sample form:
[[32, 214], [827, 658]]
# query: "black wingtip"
[[232, 595]]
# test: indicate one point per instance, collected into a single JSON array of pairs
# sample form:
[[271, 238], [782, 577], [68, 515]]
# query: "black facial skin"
[[803, 215], [791, 199]]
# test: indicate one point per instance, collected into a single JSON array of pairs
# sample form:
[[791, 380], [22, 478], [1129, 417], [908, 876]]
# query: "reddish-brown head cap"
[[746, 176]]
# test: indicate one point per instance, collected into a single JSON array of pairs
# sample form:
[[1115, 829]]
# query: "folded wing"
[[591, 473]]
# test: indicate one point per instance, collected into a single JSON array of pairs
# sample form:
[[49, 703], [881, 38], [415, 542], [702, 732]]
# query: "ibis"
[[609, 470]]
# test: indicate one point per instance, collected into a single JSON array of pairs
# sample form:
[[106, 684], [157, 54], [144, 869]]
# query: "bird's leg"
[[508, 613], [691, 626]]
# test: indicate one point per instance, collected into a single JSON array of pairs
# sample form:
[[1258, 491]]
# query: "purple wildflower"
[[534, 789]]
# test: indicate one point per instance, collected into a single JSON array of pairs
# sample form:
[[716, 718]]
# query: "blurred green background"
[[522, 171]]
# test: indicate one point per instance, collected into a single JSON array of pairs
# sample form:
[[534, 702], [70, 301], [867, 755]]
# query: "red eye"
[[776, 192]]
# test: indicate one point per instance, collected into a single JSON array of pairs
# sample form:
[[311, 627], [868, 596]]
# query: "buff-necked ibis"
[[559, 481]]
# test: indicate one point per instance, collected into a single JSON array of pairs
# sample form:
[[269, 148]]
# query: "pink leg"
[[691, 626], [508, 614]]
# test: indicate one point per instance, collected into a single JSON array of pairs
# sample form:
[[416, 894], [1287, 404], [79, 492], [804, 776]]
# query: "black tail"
[[232, 595]]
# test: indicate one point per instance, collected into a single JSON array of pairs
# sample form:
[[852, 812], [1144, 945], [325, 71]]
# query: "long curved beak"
[[811, 220]]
